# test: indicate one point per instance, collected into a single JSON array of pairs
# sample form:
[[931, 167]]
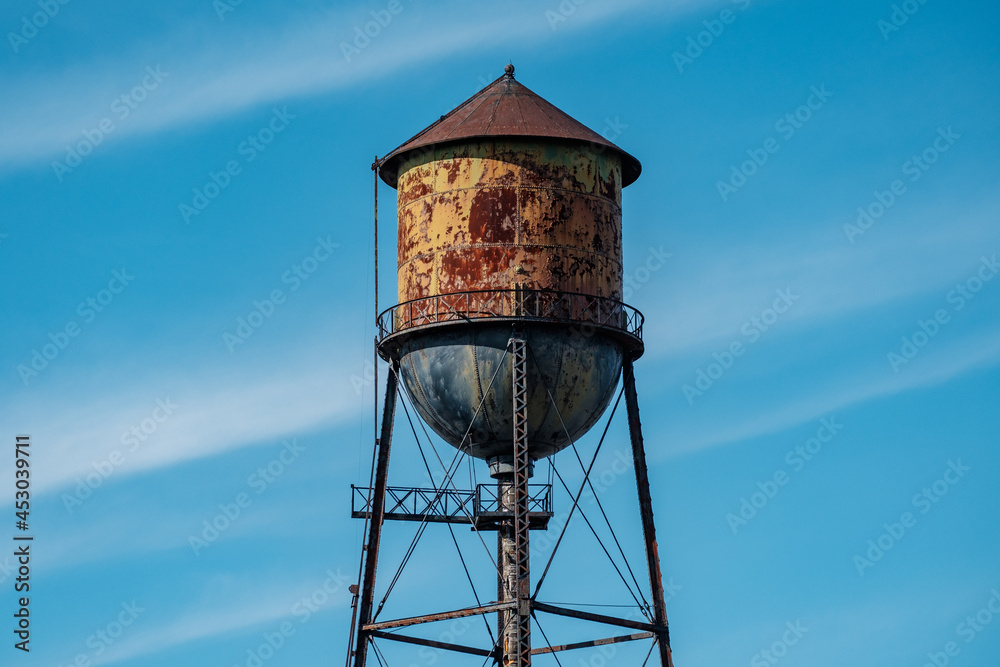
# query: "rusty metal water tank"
[[509, 215]]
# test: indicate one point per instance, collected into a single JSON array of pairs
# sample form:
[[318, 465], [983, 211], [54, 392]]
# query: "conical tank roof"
[[504, 108]]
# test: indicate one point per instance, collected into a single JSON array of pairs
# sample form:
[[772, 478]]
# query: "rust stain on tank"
[[462, 272], [453, 171], [493, 216], [505, 213]]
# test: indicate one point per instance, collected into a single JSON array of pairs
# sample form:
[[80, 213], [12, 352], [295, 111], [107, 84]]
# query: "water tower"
[[509, 339]]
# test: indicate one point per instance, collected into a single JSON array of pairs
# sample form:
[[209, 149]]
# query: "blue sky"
[[143, 383]]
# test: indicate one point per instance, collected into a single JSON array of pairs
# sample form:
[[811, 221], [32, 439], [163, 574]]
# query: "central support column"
[[507, 623], [513, 583]]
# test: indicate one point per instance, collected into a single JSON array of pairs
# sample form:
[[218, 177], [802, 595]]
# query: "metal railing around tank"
[[541, 305]]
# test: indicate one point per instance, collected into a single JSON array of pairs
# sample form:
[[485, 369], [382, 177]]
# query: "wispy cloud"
[[937, 366], [703, 300], [216, 411], [243, 70], [248, 606], [706, 294], [218, 622]]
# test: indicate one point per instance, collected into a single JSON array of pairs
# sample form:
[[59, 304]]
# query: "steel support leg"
[[646, 510], [384, 444], [514, 581]]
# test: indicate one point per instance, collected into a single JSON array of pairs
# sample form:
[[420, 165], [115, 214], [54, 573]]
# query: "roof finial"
[[509, 71]]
